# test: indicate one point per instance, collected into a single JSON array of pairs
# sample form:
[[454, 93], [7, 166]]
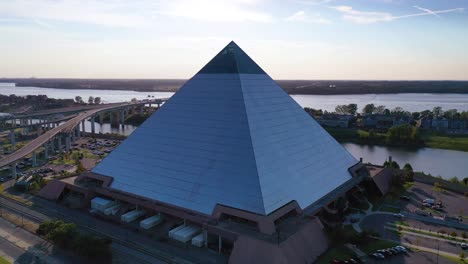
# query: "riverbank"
[[428, 140]]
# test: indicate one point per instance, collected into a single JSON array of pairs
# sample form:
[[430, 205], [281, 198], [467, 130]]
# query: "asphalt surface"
[[23, 247], [377, 222], [419, 257]]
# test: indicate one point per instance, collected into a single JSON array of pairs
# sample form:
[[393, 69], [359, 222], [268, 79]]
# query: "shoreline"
[[293, 87], [291, 93]]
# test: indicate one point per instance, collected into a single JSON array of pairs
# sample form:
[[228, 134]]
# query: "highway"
[[37, 124], [66, 127]]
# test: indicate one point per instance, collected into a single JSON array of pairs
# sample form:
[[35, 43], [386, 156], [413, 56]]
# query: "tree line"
[[352, 109], [91, 100]]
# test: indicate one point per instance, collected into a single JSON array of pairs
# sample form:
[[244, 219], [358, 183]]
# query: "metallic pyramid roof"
[[229, 136]]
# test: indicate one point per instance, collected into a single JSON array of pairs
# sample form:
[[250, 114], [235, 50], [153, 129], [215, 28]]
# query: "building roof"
[[229, 136]]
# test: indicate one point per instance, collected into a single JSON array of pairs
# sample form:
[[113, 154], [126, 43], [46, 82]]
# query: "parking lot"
[[453, 204], [414, 257], [88, 151]]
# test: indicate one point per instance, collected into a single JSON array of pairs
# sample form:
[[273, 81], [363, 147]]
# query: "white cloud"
[[143, 13], [217, 11], [314, 2], [367, 17], [301, 16], [106, 13]]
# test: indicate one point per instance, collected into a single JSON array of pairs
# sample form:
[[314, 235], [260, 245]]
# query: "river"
[[446, 163], [409, 102]]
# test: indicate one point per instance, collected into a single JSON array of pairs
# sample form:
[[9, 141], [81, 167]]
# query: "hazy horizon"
[[365, 40]]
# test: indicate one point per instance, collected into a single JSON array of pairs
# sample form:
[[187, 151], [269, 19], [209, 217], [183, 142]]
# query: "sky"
[[289, 39]]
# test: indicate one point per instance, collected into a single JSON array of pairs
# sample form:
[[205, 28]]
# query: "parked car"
[[404, 197], [399, 215], [423, 213], [404, 249], [464, 246]]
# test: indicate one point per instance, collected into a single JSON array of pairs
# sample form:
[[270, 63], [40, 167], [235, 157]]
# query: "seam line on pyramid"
[[250, 136]]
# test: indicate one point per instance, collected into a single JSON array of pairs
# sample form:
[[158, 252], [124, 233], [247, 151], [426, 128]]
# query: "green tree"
[[368, 109], [349, 109], [408, 167], [393, 164], [90, 100], [78, 99], [97, 100], [454, 179], [403, 134], [352, 109], [341, 109], [437, 111], [380, 109], [465, 181]]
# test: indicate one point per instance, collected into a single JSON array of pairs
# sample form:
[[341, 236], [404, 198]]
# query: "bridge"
[[68, 130]]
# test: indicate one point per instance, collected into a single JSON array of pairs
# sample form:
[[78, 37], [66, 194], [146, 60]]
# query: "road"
[[66, 127], [23, 247], [43, 123], [66, 110], [377, 222]]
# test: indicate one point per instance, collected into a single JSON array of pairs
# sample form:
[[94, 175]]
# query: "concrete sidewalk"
[[19, 246]]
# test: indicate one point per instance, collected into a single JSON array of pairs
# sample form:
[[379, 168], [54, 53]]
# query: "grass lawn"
[[3, 260], [375, 245], [339, 252], [389, 209], [444, 142]]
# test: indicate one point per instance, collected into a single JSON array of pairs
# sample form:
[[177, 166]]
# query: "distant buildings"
[[381, 121], [444, 124], [335, 120]]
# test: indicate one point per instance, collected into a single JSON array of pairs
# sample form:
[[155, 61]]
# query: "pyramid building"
[[229, 137], [229, 163]]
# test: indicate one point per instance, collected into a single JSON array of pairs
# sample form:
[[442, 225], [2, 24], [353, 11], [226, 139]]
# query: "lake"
[[443, 162]]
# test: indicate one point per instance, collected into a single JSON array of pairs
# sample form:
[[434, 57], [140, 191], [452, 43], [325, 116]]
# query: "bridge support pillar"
[[142, 110], [159, 105], [39, 130], [122, 117], [111, 118], [12, 137], [101, 118], [92, 125], [46, 150], [34, 159], [13, 170], [77, 131], [59, 143], [72, 136], [52, 147], [67, 142]]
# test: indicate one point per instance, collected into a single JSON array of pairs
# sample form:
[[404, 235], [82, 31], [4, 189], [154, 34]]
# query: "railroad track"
[[57, 215]]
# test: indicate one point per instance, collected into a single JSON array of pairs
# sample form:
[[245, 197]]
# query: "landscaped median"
[[440, 235]]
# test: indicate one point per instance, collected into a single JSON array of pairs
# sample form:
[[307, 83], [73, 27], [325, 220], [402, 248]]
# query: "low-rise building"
[[381, 121], [334, 120]]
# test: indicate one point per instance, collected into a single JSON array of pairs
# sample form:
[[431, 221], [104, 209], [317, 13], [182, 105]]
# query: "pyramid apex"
[[231, 59]]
